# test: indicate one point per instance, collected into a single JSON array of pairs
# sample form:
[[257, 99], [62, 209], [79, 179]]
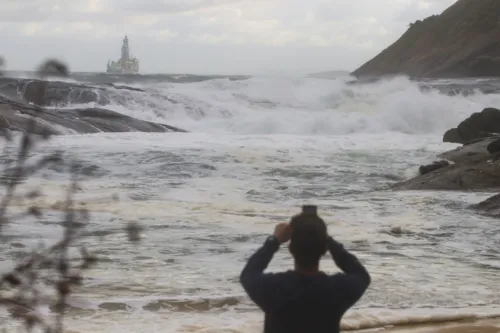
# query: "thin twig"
[[45, 267]]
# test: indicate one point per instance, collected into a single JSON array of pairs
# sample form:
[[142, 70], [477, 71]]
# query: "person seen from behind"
[[304, 300]]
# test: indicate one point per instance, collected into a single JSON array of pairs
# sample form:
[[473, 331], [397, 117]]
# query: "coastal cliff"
[[463, 41]]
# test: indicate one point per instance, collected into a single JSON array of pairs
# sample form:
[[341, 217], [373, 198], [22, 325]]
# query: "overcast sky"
[[207, 36]]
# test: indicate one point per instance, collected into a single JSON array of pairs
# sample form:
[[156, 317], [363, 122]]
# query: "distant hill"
[[464, 41], [329, 74]]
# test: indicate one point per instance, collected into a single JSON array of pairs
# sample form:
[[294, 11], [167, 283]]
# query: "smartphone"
[[310, 209]]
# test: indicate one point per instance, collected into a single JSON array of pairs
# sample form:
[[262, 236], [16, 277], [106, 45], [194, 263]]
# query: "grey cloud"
[[164, 7], [414, 12], [114, 11], [46, 11], [345, 10], [251, 24], [330, 11]]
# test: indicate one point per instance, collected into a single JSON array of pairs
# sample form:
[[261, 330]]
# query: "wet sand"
[[480, 326]]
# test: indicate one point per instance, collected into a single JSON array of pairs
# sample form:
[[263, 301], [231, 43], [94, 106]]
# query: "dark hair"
[[309, 239]]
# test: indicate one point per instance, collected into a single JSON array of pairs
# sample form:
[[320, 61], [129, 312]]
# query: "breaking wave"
[[280, 105]]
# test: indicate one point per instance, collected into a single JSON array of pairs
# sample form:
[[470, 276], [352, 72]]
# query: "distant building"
[[126, 64]]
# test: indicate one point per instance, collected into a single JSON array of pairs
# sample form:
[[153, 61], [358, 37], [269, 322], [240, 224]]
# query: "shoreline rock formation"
[[57, 93], [489, 207], [21, 99], [460, 42], [479, 125], [15, 116], [473, 166], [469, 167]]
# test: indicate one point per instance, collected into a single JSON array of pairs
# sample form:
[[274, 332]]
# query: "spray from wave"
[[300, 106]]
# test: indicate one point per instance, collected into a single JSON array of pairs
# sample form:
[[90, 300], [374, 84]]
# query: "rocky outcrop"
[[24, 99], [453, 136], [463, 41], [489, 207], [473, 167], [424, 169], [57, 93], [16, 115], [479, 125]]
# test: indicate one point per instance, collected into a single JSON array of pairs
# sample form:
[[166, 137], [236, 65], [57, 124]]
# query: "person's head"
[[308, 242]]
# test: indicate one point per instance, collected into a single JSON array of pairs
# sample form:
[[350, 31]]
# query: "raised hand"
[[283, 232]]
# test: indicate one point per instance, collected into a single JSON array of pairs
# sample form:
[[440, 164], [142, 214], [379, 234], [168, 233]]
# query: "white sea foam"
[[302, 106], [257, 150]]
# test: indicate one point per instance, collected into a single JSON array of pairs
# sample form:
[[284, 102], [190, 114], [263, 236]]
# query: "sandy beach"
[[480, 326]]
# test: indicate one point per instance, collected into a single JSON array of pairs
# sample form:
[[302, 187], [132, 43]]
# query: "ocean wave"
[[223, 315], [208, 200], [277, 105]]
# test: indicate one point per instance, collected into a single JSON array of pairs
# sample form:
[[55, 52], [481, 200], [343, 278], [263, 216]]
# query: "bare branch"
[[22, 289]]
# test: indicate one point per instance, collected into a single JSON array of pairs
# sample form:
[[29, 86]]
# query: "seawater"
[[258, 149]]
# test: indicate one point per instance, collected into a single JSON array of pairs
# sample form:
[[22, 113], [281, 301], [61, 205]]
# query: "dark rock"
[[456, 177], [452, 136], [424, 169], [472, 153], [487, 120], [56, 93], [123, 87], [396, 231], [493, 147], [472, 169], [489, 207], [479, 125], [16, 115], [23, 99], [480, 136]]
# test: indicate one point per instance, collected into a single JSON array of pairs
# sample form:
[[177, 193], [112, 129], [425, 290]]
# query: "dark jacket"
[[297, 303]]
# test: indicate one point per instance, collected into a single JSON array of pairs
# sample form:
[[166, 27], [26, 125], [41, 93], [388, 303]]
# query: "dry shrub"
[[27, 286]]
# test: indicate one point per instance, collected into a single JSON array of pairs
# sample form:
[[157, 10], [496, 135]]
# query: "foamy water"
[[258, 150]]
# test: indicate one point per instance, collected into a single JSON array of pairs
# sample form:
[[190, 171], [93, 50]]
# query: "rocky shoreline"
[[47, 102], [474, 166]]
